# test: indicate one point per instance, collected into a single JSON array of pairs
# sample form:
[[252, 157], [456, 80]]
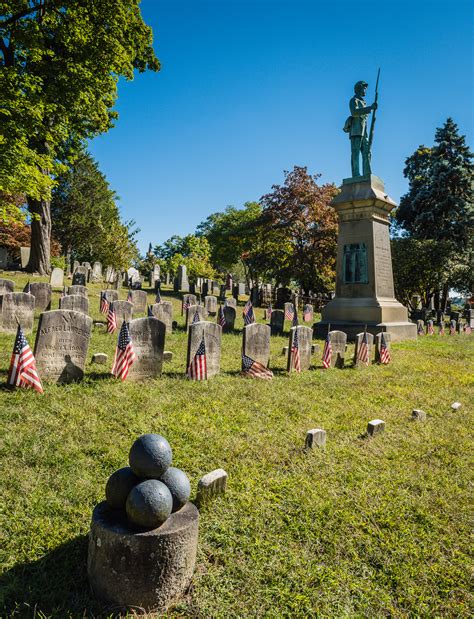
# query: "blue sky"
[[249, 88]]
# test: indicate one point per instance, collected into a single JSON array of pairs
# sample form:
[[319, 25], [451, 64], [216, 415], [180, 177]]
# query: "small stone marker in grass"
[[17, 308], [42, 294], [139, 300], [77, 302], [456, 405], [100, 358], [78, 289], [315, 438], [376, 426], [418, 415], [211, 485]]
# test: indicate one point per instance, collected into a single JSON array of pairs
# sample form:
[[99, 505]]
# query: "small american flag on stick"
[[124, 353], [385, 357], [269, 311], [327, 352], [363, 350], [197, 369], [289, 311], [221, 317], [130, 296], [295, 362], [196, 317], [104, 304], [420, 328], [22, 371], [249, 316], [429, 328], [441, 329], [307, 313], [452, 328], [467, 329], [111, 319], [254, 369]]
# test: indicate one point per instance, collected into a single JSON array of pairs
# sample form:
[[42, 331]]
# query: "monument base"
[[398, 330], [143, 569]]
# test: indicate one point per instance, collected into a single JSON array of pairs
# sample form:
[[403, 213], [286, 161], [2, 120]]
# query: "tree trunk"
[[40, 236], [444, 300]]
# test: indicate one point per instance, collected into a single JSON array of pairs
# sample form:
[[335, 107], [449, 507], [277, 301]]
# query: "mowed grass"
[[367, 527]]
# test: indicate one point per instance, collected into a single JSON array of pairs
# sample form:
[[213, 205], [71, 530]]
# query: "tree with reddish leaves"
[[301, 231]]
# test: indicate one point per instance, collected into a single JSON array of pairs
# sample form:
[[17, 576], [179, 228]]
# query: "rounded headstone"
[[119, 485], [149, 504], [178, 484], [150, 456]]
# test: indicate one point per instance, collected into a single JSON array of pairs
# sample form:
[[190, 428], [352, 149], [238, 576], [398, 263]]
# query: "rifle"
[[371, 133]]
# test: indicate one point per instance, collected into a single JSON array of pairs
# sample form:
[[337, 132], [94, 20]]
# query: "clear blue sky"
[[249, 88]]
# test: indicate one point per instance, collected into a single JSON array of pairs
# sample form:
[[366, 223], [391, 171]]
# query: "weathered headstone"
[[305, 337], [109, 275], [87, 265], [117, 282], [256, 342], [191, 311], [308, 313], [78, 289], [148, 337], [231, 302], [289, 309], [228, 281], [123, 311], [240, 289], [358, 342], [57, 278], [25, 256], [388, 344], [315, 438], [210, 485], [96, 275], [139, 300], [210, 303], [204, 288], [164, 311], [188, 299], [79, 276], [6, 285], [133, 277], [212, 338], [110, 295], [338, 344], [17, 307], [182, 283], [4, 258], [42, 294], [75, 265], [229, 314], [77, 302], [61, 345], [277, 320]]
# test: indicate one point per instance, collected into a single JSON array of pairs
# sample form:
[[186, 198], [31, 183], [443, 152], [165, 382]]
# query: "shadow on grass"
[[55, 585]]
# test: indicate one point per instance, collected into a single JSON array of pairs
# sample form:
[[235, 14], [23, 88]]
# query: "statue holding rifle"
[[357, 128]]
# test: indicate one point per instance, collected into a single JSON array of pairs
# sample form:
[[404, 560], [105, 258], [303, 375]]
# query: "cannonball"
[[118, 487], [178, 484], [150, 456], [149, 504]]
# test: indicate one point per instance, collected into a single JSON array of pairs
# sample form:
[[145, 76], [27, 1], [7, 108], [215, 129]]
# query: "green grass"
[[365, 528]]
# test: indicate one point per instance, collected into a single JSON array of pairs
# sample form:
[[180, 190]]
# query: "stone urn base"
[[145, 569]]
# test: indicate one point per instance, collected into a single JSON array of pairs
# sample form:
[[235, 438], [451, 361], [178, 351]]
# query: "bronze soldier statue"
[[356, 127]]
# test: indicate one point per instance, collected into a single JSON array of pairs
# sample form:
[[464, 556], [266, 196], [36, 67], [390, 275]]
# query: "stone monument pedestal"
[[364, 281], [148, 569]]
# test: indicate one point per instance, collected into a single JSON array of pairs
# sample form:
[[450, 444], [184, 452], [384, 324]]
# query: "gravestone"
[[277, 320], [117, 282], [188, 299], [229, 314], [148, 337], [133, 277], [24, 256], [388, 344], [78, 289], [190, 312], [75, 265], [3, 257], [164, 311], [76, 302], [231, 302], [338, 344], [182, 278], [154, 276], [96, 272], [212, 339], [109, 275], [240, 289], [110, 295], [290, 308], [17, 307], [79, 276], [256, 342], [228, 282], [61, 345], [87, 265], [204, 288], [6, 285], [57, 278], [210, 303], [370, 344], [42, 294], [305, 337], [139, 300], [123, 311], [211, 485], [308, 313]]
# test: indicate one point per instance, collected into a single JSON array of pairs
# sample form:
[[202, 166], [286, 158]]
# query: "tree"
[[61, 61], [86, 219], [438, 205], [301, 231], [192, 251]]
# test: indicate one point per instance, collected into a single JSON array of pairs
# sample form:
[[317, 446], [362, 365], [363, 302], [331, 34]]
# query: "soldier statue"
[[356, 127]]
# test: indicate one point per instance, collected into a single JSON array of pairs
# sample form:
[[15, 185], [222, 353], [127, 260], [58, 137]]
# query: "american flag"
[[295, 362], [130, 296], [221, 317], [420, 328], [124, 353], [269, 311], [289, 311], [111, 319], [197, 369], [385, 357], [327, 352], [363, 350], [441, 328], [467, 329], [196, 317], [254, 369], [104, 304], [307, 313], [186, 303], [158, 297], [22, 371], [249, 316], [429, 328], [452, 327]]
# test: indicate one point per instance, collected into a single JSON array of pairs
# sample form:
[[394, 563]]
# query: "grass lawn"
[[368, 528]]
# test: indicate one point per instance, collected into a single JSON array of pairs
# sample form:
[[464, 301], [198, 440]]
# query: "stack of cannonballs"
[[149, 490]]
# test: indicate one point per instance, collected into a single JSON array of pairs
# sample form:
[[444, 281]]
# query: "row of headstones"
[[458, 325]]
